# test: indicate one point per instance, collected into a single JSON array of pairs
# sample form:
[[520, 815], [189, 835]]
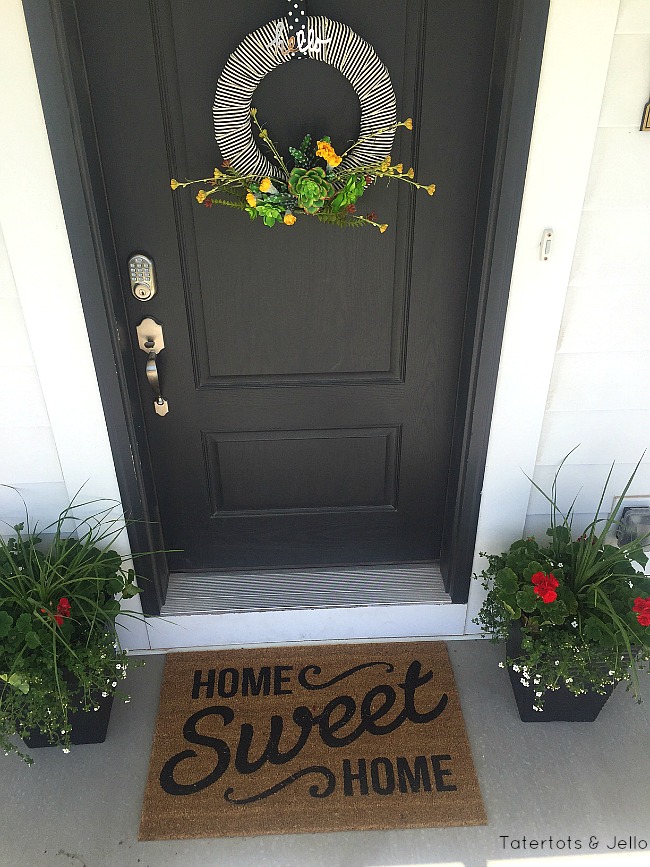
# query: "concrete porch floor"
[[584, 781]]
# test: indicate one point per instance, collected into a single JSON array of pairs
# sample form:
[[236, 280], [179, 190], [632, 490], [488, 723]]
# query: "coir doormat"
[[309, 739]]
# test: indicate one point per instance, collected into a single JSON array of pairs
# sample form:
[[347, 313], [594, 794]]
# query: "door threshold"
[[239, 591], [268, 608]]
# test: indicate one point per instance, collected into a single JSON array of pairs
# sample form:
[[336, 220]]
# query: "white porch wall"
[[29, 460], [600, 387], [576, 393]]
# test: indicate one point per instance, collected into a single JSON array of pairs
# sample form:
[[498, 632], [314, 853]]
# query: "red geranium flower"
[[642, 610], [545, 586], [63, 609]]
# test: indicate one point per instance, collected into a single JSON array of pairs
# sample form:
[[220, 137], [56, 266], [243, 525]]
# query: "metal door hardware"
[[142, 277], [545, 245], [151, 341]]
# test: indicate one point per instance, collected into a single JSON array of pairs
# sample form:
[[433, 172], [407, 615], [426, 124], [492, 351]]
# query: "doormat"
[[309, 739]]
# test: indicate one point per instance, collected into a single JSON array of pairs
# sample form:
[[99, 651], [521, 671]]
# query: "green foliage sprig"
[[58, 641], [316, 186], [582, 604]]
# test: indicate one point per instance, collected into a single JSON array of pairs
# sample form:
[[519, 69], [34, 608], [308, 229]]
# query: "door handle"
[[151, 341]]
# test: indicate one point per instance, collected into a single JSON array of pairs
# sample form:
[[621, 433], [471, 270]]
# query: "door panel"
[[311, 372]]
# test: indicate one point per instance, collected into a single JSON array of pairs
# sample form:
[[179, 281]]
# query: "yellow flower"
[[327, 152], [408, 123], [411, 173], [383, 227], [174, 184], [289, 219], [265, 185], [399, 168], [385, 164], [217, 174], [431, 189], [251, 200], [201, 196]]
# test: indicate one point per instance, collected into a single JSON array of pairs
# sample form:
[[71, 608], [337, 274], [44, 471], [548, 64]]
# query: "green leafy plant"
[[58, 604], [582, 603], [310, 187], [319, 184]]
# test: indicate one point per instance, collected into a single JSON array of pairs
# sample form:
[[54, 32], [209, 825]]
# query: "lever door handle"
[[151, 341]]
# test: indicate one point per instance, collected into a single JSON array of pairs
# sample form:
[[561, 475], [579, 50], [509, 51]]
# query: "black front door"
[[311, 372]]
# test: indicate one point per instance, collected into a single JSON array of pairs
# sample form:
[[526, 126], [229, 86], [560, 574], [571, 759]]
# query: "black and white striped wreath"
[[321, 183], [300, 36]]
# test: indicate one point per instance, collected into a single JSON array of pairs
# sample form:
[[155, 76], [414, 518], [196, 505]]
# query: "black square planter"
[[88, 726], [559, 705]]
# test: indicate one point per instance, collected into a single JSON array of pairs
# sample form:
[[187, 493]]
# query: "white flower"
[[114, 683], [62, 731], [568, 680], [536, 707], [127, 700], [537, 680], [538, 694], [525, 682], [557, 662], [516, 668], [104, 694], [611, 673], [574, 623], [66, 750], [501, 665], [118, 666]]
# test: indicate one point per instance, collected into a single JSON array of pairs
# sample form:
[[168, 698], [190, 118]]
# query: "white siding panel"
[[620, 436], [28, 455], [620, 169], [634, 17], [612, 248], [606, 318], [22, 400], [7, 284], [585, 483], [589, 382], [628, 80], [45, 502], [537, 525], [14, 340]]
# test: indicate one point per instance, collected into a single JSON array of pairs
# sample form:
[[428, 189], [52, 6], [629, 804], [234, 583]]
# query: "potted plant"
[[574, 611], [60, 656]]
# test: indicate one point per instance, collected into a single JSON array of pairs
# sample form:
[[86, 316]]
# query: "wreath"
[[320, 183]]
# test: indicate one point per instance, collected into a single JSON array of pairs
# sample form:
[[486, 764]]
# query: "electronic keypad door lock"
[[151, 341], [142, 277]]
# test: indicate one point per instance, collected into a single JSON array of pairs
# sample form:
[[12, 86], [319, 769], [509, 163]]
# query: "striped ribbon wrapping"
[[258, 54]]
